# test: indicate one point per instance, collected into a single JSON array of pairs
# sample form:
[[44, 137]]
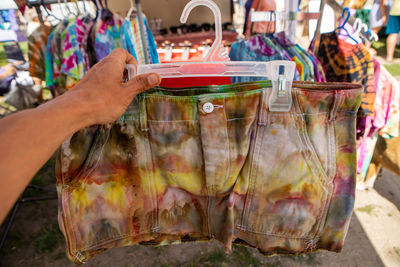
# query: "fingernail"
[[152, 79]]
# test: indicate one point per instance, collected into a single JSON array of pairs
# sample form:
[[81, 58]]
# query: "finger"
[[123, 56], [141, 83]]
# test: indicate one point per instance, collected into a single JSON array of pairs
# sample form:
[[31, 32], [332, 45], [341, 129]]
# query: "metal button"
[[208, 107]]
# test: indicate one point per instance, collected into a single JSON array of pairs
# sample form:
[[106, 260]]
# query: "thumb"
[[143, 82]]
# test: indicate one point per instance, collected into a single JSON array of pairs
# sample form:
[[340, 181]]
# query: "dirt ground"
[[373, 238]]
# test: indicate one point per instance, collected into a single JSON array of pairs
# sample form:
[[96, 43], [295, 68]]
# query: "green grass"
[[380, 48], [60, 255], [217, 258], [48, 170], [14, 241], [46, 176], [397, 250], [394, 69], [367, 209], [309, 259], [191, 264], [3, 57], [49, 239], [245, 257]]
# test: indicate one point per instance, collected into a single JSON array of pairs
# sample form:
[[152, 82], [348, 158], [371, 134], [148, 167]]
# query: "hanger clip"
[[282, 75]]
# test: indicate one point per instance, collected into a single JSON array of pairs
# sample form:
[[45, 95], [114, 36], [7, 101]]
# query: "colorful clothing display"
[[131, 41], [171, 170], [345, 62], [37, 51], [277, 47], [77, 44], [75, 63], [107, 32], [384, 122], [54, 54], [257, 48]]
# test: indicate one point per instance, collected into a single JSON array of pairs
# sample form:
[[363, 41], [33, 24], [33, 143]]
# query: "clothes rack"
[[37, 3], [319, 23]]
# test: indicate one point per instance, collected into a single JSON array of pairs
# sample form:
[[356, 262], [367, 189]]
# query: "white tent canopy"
[[7, 4]]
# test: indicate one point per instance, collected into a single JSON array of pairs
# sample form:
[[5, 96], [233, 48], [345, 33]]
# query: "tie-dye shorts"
[[213, 162]]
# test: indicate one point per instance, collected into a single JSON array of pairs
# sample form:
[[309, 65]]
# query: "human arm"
[[29, 138], [384, 12]]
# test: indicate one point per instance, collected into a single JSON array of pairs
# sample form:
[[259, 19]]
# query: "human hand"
[[384, 19], [104, 94]]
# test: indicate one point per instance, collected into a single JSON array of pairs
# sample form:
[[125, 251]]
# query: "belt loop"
[[143, 114], [335, 106], [263, 113]]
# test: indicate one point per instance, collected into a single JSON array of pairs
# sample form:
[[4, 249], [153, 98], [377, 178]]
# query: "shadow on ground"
[[35, 240], [388, 186]]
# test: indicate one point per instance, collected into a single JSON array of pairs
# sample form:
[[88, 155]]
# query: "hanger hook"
[[357, 26], [128, 15], [218, 24], [346, 13]]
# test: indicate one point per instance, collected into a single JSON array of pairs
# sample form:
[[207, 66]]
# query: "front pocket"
[[288, 187], [114, 199], [178, 171], [76, 155]]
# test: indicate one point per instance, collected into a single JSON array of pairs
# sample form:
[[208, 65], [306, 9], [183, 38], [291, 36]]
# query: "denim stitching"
[[177, 121], [98, 159], [67, 214], [314, 161], [150, 175], [143, 124], [228, 173], [253, 170]]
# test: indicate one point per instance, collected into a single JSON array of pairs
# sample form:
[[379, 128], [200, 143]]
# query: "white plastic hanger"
[[358, 26], [215, 64], [128, 15]]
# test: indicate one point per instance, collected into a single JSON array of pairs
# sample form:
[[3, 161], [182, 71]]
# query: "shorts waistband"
[[185, 104]]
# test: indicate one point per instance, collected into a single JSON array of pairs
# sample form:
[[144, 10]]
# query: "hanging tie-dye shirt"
[[380, 122], [37, 51], [75, 62], [55, 80], [131, 41], [107, 35]]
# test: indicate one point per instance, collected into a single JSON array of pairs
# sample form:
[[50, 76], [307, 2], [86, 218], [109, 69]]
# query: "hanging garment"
[[107, 32], [152, 47], [344, 62], [385, 122], [192, 164], [392, 125], [295, 52], [277, 47], [55, 80], [37, 51], [90, 41], [354, 4], [75, 62], [131, 41], [257, 48], [318, 69]]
